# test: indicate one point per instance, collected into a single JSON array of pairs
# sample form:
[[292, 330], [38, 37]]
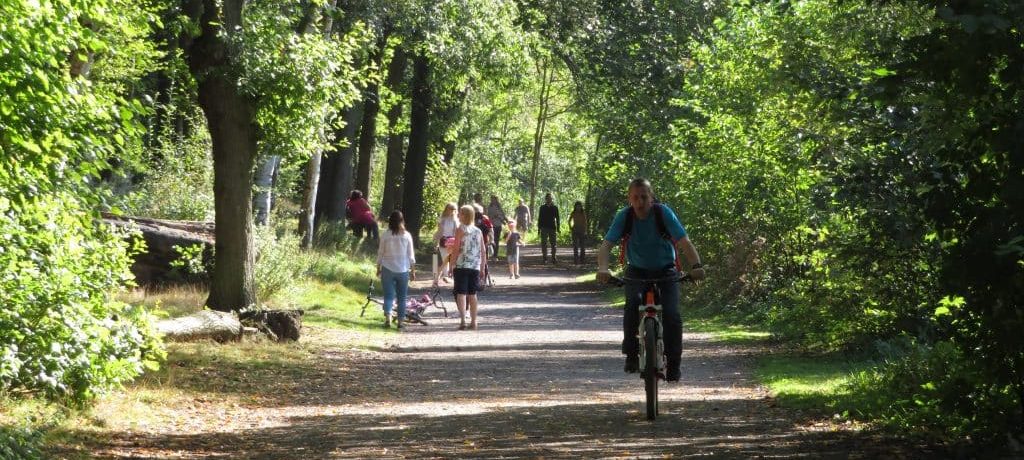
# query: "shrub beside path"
[[542, 377]]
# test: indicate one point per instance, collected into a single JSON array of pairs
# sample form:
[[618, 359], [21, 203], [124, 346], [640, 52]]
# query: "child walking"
[[513, 241]]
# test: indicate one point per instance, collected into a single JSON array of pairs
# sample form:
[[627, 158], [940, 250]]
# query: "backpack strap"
[[627, 229], [659, 223]]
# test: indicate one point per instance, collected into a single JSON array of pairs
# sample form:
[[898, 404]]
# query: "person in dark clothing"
[[548, 224]]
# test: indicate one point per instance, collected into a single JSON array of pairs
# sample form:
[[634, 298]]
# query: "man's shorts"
[[466, 281]]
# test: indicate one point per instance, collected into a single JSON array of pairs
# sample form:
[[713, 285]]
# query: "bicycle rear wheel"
[[651, 366]]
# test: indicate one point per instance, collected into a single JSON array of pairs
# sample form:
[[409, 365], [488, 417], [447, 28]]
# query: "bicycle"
[[650, 334], [414, 306]]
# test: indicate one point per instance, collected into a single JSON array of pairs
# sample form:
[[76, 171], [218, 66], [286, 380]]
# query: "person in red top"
[[359, 216]]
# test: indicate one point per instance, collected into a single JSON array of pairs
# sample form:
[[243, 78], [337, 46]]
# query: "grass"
[[819, 382]]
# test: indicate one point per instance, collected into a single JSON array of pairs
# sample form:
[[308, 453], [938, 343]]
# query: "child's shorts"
[[466, 281]]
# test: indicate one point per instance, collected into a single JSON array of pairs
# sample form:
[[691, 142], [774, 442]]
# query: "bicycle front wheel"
[[651, 366]]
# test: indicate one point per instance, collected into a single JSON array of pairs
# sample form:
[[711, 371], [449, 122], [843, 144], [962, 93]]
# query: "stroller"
[[414, 306]]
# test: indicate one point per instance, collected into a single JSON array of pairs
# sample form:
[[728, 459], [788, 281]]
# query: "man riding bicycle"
[[648, 230]]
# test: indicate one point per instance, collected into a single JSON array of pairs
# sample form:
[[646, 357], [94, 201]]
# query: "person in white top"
[[445, 239], [396, 263], [468, 254]]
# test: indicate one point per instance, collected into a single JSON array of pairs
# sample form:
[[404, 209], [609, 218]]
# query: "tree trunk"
[[230, 117], [368, 132], [265, 178], [538, 134], [391, 193], [309, 195], [335, 187], [419, 139], [328, 179]]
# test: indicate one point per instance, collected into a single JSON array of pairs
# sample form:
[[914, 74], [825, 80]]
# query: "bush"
[[280, 261], [60, 333], [180, 186], [936, 391]]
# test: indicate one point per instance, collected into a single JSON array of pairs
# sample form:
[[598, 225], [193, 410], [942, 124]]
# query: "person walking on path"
[[359, 216], [578, 230], [469, 255], [513, 241], [498, 220], [523, 216], [396, 264], [649, 230], [444, 237], [548, 224]]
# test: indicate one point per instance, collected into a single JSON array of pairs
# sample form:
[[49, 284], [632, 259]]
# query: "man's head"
[[548, 198], [520, 202], [478, 197], [640, 195]]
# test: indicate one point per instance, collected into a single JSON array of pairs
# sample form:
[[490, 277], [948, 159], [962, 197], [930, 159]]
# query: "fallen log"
[[153, 267], [201, 325]]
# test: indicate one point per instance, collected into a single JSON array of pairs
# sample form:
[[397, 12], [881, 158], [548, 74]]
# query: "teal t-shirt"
[[646, 248]]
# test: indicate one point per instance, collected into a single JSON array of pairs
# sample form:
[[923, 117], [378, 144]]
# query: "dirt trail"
[[542, 377]]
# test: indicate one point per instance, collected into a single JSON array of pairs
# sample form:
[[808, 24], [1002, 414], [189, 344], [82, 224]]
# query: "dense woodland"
[[852, 171]]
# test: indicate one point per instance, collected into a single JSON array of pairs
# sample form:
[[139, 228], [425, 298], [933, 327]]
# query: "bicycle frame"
[[652, 362], [651, 311]]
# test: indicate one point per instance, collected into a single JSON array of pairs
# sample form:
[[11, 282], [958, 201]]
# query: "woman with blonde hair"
[[444, 237], [468, 252]]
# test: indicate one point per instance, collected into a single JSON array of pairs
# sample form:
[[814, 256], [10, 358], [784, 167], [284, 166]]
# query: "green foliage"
[[300, 80], [280, 261], [440, 188], [179, 184], [191, 260], [872, 171], [60, 334], [935, 390], [20, 443]]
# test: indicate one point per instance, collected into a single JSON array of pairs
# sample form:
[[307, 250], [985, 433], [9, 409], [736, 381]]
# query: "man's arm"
[[689, 252], [602, 261]]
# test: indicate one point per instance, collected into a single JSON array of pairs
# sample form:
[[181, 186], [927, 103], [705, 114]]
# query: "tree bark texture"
[[419, 139], [231, 120], [368, 131], [391, 198]]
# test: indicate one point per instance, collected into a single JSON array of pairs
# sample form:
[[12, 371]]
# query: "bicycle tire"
[[651, 367]]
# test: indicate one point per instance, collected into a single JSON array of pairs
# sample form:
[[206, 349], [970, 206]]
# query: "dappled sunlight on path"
[[542, 377]]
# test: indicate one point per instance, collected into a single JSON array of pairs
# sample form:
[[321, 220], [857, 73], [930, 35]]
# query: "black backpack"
[[659, 223]]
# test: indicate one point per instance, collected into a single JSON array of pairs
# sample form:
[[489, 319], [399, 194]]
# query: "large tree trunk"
[[368, 132], [391, 195], [230, 117], [419, 139]]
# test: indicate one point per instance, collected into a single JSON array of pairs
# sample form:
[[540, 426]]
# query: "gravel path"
[[541, 378]]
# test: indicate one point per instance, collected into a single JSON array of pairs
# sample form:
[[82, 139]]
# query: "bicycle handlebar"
[[622, 281]]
